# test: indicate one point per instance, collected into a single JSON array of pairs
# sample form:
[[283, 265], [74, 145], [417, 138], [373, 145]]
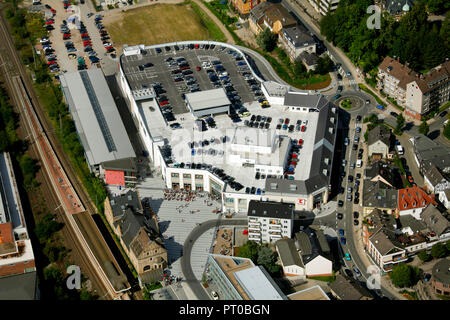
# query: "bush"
[[424, 256], [267, 40], [46, 227]]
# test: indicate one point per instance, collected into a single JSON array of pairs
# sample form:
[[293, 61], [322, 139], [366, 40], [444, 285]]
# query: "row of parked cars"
[[186, 47], [46, 44], [164, 105], [258, 121], [104, 35]]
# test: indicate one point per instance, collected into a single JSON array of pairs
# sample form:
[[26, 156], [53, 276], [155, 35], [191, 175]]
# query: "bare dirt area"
[[153, 24]]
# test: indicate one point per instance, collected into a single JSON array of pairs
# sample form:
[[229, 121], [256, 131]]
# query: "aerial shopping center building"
[[233, 159]]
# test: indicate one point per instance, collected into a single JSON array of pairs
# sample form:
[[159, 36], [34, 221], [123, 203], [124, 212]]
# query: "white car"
[[43, 40], [215, 295], [107, 44]]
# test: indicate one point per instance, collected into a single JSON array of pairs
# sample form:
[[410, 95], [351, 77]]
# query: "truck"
[[399, 149]]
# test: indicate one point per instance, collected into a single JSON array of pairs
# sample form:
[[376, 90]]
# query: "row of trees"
[[438, 251], [421, 43]]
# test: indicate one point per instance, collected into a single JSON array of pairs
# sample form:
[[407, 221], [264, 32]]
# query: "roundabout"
[[350, 102]]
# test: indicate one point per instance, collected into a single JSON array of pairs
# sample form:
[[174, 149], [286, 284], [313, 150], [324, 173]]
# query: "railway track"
[[56, 178]]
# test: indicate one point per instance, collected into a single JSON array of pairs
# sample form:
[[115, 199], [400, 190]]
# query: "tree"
[[424, 256], [447, 245], [400, 124], [324, 65], [46, 227], [267, 40], [268, 259], [404, 275], [249, 250], [438, 250], [446, 131], [299, 69], [424, 128]]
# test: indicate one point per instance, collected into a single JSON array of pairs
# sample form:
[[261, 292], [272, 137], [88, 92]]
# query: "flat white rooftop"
[[258, 285], [207, 99]]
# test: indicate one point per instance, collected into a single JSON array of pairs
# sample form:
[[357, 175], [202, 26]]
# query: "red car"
[[294, 156], [196, 46], [67, 4], [66, 38], [87, 42], [198, 68], [163, 103], [303, 129], [300, 141], [49, 22], [51, 62], [286, 121], [53, 11], [83, 35], [66, 35], [293, 163]]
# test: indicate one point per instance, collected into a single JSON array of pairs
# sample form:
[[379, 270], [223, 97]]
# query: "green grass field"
[[162, 23]]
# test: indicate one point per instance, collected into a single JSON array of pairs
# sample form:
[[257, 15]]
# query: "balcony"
[[253, 220], [254, 228], [275, 226], [275, 236], [274, 232], [252, 233]]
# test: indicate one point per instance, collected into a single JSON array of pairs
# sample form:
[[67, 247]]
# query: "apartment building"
[[393, 78], [441, 277], [269, 221], [418, 93], [297, 40], [245, 6], [324, 6], [429, 91]]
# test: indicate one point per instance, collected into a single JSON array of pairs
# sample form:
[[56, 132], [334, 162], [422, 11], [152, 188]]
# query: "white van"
[[399, 149], [359, 163]]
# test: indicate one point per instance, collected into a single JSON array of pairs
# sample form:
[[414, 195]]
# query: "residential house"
[[413, 200], [314, 252], [438, 225], [324, 6], [444, 198], [428, 92], [378, 188], [269, 221], [309, 59], [245, 6], [398, 7], [344, 288], [138, 231], [379, 142], [393, 78], [297, 40], [271, 15], [427, 151], [434, 180], [290, 258], [441, 277]]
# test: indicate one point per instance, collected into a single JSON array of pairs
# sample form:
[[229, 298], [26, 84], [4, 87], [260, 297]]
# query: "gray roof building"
[[311, 242], [379, 133], [348, 289], [128, 201], [379, 195], [97, 120], [434, 220], [288, 253], [441, 271], [385, 241], [270, 209], [426, 149], [210, 102], [297, 36], [308, 58]]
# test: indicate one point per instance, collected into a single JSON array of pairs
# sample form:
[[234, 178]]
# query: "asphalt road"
[[186, 268]]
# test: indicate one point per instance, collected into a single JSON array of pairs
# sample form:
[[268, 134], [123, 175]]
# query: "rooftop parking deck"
[[159, 70]]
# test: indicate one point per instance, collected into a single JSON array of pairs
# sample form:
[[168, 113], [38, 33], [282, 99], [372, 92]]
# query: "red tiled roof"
[[413, 197]]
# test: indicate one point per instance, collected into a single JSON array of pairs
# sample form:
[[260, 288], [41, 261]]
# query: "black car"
[[358, 118], [442, 114], [167, 48], [356, 214], [340, 203], [253, 190], [158, 50], [355, 146], [177, 48], [350, 178], [148, 64], [355, 222], [340, 216], [348, 272], [394, 114]]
